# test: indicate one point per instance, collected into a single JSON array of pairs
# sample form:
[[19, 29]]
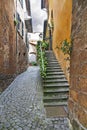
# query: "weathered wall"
[[7, 42], [9, 65], [50, 9], [78, 74], [7, 37], [22, 55], [62, 29]]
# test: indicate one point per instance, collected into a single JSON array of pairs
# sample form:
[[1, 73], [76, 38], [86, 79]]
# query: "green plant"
[[45, 45], [41, 57], [66, 47], [52, 24], [15, 22], [33, 63]]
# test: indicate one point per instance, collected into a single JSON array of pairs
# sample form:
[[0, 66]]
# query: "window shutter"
[[18, 20], [22, 3], [22, 29]]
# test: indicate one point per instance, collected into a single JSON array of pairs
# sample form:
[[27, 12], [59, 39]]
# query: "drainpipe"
[[50, 37], [16, 41], [16, 29]]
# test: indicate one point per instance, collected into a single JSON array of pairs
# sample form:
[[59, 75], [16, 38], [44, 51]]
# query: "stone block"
[[82, 84], [83, 69], [74, 95], [71, 104], [82, 100], [82, 117], [78, 78]]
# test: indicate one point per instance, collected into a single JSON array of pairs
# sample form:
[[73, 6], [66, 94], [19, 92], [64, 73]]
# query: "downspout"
[[16, 29], [16, 43]]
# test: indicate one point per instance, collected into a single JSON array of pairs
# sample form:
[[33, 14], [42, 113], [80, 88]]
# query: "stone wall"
[[7, 43], [9, 60], [22, 55], [78, 78], [7, 37]]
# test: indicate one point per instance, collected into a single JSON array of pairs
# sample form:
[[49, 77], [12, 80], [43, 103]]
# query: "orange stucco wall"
[[62, 10]]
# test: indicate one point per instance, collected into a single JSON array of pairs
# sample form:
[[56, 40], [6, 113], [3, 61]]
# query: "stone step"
[[56, 90], [55, 77], [52, 62], [58, 97], [56, 85], [55, 100], [50, 58], [55, 81], [53, 95], [49, 51], [53, 67], [55, 73], [56, 104], [50, 55], [54, 70]]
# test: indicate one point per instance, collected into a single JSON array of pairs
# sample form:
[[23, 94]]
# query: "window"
[[21, 2], [20, 25], [18, 21], [22, 29]]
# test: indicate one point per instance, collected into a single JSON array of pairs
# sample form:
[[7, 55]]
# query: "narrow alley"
[[43, 64], [22, 108]]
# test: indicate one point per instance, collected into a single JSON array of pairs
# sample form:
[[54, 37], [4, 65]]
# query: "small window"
[[21, 2], [22, 29], [18, 20]]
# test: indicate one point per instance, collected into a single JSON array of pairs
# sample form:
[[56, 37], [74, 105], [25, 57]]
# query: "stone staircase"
[[55, 85]]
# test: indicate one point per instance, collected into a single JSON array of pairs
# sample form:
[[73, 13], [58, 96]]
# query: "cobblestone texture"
[[21, 105]]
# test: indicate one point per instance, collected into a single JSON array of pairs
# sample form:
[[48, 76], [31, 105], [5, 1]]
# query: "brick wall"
[[9, 60], [78, 70]]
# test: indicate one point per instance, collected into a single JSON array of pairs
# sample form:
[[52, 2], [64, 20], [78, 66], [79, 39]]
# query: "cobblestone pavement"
[[21, 105]]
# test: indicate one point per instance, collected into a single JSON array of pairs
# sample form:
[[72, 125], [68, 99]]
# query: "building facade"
[[78, 67], [59, 29], [13, 50], [70, 19]]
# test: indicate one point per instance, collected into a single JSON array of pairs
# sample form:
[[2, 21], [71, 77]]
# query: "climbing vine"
[[41, 57], [15, 22], [66, 47]]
